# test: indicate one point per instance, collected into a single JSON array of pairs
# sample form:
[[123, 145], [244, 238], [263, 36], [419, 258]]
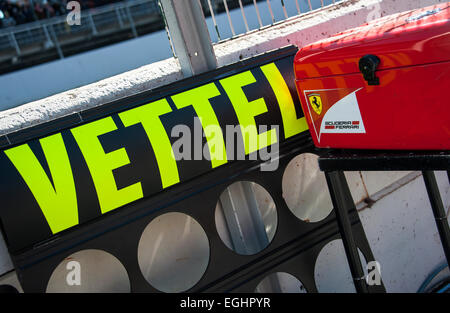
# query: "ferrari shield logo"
[[316, 103]]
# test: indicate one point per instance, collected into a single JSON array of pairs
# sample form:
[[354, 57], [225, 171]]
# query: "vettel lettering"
[[54, 183]]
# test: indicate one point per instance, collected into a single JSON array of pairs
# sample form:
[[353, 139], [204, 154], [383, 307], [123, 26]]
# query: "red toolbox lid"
[[415, 37]]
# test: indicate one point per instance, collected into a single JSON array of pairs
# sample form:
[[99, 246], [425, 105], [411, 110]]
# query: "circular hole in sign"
[[246, 217], [280, 282], [305, 189], [332, 272], [89, 271], [173, 252]]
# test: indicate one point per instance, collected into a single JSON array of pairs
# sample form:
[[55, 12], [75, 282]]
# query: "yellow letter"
[[246, 112], [292, 125], [148, 116], [199, 99], [58, 202], [101, 164]]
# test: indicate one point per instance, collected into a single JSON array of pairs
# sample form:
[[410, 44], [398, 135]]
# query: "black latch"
[[368, 64]]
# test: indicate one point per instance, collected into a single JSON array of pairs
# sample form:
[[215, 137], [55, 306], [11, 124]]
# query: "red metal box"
[[384, 85]]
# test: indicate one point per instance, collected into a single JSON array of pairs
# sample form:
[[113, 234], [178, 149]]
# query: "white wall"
[[402, 234]]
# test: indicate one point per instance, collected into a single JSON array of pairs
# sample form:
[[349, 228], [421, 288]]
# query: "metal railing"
[[252, 15], [50, 32]]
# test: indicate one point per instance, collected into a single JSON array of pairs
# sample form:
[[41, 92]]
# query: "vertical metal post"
[[245, 224], [119, 18], [190, 36], [49, 42], [14, 43], [243, 16], [91, 21], [244, 221], [438, 210], [211, 10], [298, 7], [284, 9], [130, 19], [342, 202], [229, 17], [269, 6], [167, 29], [29, 32], [257, 14], [56, 42]]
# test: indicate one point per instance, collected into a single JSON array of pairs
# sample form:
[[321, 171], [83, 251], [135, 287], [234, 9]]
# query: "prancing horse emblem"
[[316, 103]]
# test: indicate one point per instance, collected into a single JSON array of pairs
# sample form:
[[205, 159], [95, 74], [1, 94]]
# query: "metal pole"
[[190, 36], [91, 21], [229, 18], [342, 202], [257, 14], [244, 221], [243, 16], [438, 210], [270, 11], [284, 9], [245, 224], [47, 36], [14, 43], [167, 30], [130, 20], [211, 10], [119, 18], [298, 7], [55, 41]]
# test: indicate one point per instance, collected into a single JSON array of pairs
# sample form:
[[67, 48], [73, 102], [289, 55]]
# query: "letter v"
[[59, 202]]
